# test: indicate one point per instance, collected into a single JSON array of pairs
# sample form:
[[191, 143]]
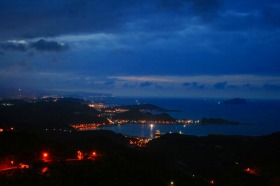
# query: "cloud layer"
[[152, 46]]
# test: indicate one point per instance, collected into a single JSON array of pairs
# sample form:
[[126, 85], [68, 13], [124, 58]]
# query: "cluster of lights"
[[9, 129], [116, 110], [7, 104], [92, 155], [97, 106], [87, 126], [61, 130], [143, 122], [139, 142], [185, 121]]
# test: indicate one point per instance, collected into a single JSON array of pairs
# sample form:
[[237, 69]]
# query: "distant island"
[[235, 101], [205, 121], [137, 115]]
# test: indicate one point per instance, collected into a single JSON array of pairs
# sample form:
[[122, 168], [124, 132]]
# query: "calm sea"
[[264, 115]]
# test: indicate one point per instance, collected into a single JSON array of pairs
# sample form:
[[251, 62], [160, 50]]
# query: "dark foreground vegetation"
[[171, 159]]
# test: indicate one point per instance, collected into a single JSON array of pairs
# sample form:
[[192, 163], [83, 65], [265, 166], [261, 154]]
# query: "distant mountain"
[[146, 107], [135, 114], [235, 101], [13, 93]]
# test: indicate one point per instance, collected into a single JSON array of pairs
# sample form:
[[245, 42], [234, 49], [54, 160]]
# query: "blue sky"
[[178, 48]]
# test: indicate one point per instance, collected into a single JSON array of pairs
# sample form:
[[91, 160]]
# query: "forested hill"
[[46, 113]]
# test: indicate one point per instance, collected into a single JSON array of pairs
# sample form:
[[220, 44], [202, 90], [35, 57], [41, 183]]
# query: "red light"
[[212, 182], [45, 155], [12, 162], [45, 169], [94, 153]]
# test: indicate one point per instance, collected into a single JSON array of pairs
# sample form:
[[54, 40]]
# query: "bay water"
[[262, 117]]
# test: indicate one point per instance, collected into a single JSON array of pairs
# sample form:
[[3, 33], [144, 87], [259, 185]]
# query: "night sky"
[[167, 48]]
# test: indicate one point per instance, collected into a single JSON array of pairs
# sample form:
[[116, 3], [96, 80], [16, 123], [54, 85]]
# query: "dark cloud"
[[50, 46], [129, 85], [207, 9], [194, 85], [199, 7], [52, 18], [220, 85], [146, 84], [271, 86], [246, 85], [232, 86], [186, 84], [272, 15], [40, 45], [109, 83]]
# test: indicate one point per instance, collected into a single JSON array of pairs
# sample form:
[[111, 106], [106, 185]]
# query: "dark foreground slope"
[[229, 160], [183, 160]]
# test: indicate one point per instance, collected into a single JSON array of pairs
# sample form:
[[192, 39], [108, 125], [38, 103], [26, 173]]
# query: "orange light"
[[94, 153], [80, 155]]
